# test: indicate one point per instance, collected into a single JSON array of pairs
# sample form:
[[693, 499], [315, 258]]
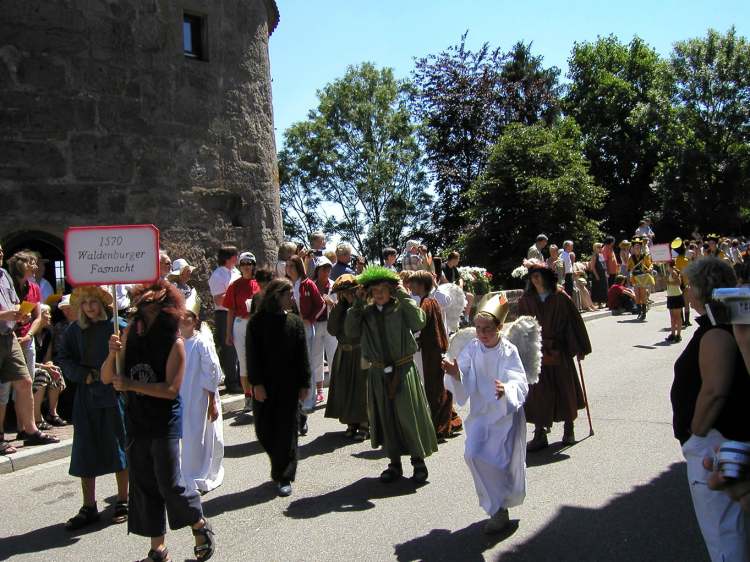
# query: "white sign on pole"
[[112, 255], [661, 253]]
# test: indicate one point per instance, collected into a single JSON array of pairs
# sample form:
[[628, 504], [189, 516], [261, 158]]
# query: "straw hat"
[[90, 291], [344, 282]]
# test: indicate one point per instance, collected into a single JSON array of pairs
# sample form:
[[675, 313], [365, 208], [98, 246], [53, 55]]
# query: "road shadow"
[[46, 539], [357, 496], [653, 522], [324, 444], [466, 545], [241, 420], [549, 455], [240, 500], [371, 454], [242, 450]]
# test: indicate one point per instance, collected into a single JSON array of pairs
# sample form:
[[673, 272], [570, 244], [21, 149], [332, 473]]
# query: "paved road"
[[620, 495]]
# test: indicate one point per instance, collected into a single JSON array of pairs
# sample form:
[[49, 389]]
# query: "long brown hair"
[[299, 266], [170, 298], [271, 295]]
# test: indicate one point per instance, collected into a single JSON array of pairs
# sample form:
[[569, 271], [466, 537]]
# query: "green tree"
[[618, 96], [302, 210], [705, 178], [536, 180], [358, 152], [464, 99]]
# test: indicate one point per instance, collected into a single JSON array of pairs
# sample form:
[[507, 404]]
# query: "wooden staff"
[[585, 397], [116, 320]]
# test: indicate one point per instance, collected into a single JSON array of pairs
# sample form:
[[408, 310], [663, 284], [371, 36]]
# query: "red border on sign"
[[111, 227]]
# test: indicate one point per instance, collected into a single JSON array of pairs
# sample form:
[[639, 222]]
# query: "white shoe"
[[497, 522]]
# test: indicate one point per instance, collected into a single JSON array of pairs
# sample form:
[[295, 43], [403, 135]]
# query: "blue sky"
[[317, 39]]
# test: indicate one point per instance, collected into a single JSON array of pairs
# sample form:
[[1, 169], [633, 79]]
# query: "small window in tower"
[[194, 36]]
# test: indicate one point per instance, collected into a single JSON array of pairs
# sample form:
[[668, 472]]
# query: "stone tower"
[[139, 111]]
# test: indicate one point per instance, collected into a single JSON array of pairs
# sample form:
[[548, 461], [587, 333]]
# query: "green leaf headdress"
[[374, 274]]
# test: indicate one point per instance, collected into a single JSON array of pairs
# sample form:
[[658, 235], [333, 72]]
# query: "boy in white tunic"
[[489, 372], [202, 430]]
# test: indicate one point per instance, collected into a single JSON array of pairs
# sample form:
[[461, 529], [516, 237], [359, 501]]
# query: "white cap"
[[64, 301], [178, 266]]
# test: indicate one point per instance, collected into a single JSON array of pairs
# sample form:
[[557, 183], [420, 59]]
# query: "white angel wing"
[[455, 306], [459, 340], [207, 336], [526, 334]]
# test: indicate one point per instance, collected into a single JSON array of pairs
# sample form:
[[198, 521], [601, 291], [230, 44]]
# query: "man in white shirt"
[[220, 279], [568, 267], [644, 231]]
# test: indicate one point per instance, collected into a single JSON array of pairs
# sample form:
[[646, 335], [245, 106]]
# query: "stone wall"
[[104, 120]]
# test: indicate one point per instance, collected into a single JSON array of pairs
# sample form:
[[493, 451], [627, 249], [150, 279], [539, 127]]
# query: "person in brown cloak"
[[557, 396]]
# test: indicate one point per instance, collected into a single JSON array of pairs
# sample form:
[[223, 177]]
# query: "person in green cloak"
[[384, 317]]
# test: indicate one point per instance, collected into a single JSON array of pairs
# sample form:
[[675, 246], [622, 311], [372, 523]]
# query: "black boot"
[[645, 310]]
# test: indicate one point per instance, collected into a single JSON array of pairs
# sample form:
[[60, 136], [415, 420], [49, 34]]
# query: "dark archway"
[[48, 245]]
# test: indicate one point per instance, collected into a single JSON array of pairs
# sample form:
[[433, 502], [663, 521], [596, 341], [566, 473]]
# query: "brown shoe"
[[538, 443]]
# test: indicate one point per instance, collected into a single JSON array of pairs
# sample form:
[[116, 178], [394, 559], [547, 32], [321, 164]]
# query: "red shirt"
[[237, 293], [610, 260], [34, 295], [614, 296]]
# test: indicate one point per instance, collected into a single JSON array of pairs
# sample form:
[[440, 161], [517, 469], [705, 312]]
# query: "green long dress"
[[402, 425], [347, 393]]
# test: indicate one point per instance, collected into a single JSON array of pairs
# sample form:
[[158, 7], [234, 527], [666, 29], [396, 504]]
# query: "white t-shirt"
[[220, 280], [567, 264]]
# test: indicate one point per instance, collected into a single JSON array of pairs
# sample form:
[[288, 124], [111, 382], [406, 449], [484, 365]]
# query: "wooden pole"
[[585, 397]]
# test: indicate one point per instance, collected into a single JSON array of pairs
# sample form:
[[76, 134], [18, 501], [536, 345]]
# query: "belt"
[[349, 346], [397, 363]]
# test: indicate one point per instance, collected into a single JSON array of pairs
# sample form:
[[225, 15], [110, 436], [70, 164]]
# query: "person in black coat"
[[279, 371]]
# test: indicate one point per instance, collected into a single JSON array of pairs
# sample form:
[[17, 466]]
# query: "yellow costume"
[[640, 271]]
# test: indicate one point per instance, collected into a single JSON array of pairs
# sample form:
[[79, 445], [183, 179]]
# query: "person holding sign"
[[98, 411], [640, 268], [154, 369]]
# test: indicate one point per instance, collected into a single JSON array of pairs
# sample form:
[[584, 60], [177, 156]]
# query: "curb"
[[589, 316], [33, 456]]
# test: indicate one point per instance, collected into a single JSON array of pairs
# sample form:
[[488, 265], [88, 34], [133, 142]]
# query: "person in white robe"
[[490, 375], [202, 424]]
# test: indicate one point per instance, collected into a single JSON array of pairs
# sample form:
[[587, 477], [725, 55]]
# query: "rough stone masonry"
[[104, 119]]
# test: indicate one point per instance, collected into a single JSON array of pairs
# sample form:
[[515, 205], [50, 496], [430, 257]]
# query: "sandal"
[[85, 516], [38, 438], [392, 473], [42, 425], [157, 556], [121, 512], [57, 421], [205, 550], [6, 448]]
